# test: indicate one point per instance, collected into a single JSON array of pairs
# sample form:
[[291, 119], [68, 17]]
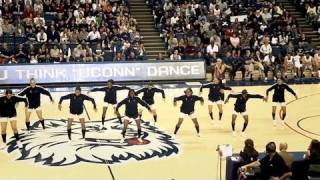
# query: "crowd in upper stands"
[[55, 31], [245, 36], [278, 164], [235, 36]]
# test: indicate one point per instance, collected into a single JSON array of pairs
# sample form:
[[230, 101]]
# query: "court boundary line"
[[107, 163], [293, 129]]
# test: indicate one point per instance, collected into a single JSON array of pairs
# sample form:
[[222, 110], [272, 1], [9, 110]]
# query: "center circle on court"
[[307, 124]]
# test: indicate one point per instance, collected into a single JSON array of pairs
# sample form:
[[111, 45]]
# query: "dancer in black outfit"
[[76, 109], [240, 108], [148, 97], [8, 113], [215, 96], [187, 109], [278, 99], [33, 93], [131, 112], [110, 98]]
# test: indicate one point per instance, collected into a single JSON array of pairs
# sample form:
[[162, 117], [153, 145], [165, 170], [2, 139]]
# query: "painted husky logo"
[[52, 147]]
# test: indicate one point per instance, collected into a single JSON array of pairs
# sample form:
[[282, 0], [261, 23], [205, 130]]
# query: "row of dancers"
[[31, 97]]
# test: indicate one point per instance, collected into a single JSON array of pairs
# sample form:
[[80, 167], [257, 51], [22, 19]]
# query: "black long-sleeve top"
[[76, 102], [8, 106], [278, 95], [215, 91], [188, 102], [241, 102], [33, 95], [148, 94], [132, 106], [110, 93]]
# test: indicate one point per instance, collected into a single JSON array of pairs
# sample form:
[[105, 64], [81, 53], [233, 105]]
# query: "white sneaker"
[[243, 134], [234, 134], [198, 135], [274, 123], [19, 144], [265, 79], [219, 124], [2, 146], [173, 136], [140, 140], [121, 140], [212, 122]]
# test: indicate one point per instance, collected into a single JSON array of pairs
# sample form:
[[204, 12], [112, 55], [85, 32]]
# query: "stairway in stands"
[[307, 28], [151, 36]]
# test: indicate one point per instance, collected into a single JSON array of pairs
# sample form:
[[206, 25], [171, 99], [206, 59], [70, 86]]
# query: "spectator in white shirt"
[[212, 49], [175, 56], [42, 36], [174, 19], [268, 61], [90, 18], [94, 35], [266, 48]]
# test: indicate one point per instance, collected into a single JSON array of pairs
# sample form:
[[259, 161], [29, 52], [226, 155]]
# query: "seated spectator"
[[7, 28], [237, 65], [93, 35], [53, 35], [249, 154], [19, 30], [43, 54], [316, 60], [21, 54], [268, 65], [66, 53], [298, 65], [160, 57], [55, 54], [118, 57], [265, 49], [33, 60], [289, 63], [98, 53], [5, 54], [141, 52], [287, 157], [175, 56], [132, 56], [307, 62], [88, 54], [39, 21], [219, 69], [78, 53], [42, 36], [272, 165]]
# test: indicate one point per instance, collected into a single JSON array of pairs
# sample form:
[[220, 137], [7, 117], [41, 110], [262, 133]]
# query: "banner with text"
[[78, 73]]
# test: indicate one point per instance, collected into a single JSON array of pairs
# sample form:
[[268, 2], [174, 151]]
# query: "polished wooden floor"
[[197, 158]]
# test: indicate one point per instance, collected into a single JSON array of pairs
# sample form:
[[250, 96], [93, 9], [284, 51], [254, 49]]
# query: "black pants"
[[237, 67]]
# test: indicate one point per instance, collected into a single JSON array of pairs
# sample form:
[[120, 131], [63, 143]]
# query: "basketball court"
[[49, 155]]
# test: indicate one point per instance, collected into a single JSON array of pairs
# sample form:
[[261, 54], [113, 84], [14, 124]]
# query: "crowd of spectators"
[[55, 31], [311, 10], [247, 36], [279, 165]]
